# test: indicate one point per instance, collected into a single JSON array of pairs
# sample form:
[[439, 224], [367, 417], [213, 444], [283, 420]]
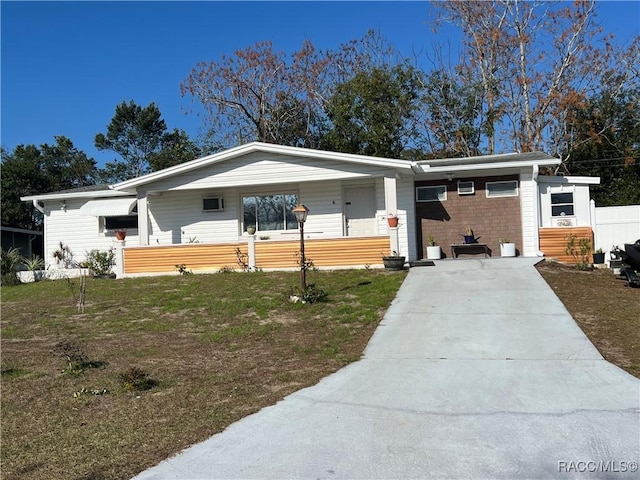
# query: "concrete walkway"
[[476, 371]]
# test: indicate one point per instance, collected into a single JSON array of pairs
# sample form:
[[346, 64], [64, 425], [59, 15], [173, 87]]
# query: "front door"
[[360, 211]]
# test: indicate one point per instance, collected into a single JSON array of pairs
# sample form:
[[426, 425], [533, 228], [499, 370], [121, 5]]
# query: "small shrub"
[[307, 265], [226, 269], [77, 360], [63, 256], [134, 378], [10, 264], [242, 259], [311, 294], [182, 269], [579, 249], [101, 262], [33, 263]]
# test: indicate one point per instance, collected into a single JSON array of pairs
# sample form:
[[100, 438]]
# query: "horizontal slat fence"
[[163, 259], [553, 241], [334, 252]]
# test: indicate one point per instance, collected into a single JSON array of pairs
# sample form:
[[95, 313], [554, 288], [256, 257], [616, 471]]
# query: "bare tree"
[[536, 62], [260, 94], [485, 44]]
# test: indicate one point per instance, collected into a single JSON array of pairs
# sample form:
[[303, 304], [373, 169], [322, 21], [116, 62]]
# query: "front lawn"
[[154, 365], [160, 363], [606, 310]]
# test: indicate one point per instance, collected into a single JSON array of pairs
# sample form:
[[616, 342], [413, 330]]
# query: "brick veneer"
[[490, 218]]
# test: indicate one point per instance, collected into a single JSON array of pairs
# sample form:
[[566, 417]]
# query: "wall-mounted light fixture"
[[450, 176]]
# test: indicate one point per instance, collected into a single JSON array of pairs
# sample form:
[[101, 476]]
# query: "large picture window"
[[561, 204], [270, 212]]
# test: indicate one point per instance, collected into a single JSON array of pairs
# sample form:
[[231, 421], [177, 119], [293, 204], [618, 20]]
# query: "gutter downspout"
[[37, 206], [45, 250], [536, 211]]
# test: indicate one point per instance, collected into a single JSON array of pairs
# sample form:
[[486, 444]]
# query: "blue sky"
[[66, 65]]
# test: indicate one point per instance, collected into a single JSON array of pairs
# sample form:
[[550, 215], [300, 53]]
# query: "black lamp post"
[[300, 213]]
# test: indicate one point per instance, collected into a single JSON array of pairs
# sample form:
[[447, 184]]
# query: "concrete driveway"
[[476, 371]]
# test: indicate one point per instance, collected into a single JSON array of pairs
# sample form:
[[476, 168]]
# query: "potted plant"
[[433, 249], [121, 234], [468, 235], [598, 257], [251, 230], [394, 261], [392, 220], [507, 248]]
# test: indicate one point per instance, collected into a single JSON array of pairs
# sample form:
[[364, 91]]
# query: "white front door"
[[360, 211]]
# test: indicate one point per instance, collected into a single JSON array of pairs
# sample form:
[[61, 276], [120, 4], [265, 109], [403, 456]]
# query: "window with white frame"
[[466, 188], [436, 193], [212, 204], [118, 222], [562, 204], [502, 189], [270, 212]]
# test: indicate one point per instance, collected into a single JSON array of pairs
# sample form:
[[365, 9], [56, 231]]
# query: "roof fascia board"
[[489, 166], [494, 158], [265, 148], [66, 196], [568, 180], [20, 230]]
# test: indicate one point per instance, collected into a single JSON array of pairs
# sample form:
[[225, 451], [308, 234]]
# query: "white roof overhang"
[[568, 180], [486, 164], [108, 207], [482, 169], [71, 195]]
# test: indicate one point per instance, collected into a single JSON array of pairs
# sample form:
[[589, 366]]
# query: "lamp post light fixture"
[[300, 213]]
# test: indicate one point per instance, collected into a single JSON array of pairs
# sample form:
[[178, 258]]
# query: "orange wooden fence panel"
[[162, 259], [553, 241], [333, 252]]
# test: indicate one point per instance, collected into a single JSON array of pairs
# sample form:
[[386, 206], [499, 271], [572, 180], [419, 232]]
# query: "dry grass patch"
[[605, 309], [167, 362]]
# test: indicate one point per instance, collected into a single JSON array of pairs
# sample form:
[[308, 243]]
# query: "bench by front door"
[[469, 248]]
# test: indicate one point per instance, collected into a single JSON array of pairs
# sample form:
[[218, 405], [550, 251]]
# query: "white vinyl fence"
[[615, 226]]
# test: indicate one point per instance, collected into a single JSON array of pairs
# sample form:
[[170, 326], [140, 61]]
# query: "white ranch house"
[[212, 200]]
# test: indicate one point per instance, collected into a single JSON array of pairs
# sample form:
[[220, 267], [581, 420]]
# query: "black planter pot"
[[393, 263], [598, 258]]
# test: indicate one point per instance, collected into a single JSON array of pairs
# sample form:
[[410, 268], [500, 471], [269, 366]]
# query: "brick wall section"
[[490, 218]]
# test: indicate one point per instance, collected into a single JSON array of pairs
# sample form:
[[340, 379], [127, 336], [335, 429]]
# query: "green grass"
[[214, 348], [606, 310]]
